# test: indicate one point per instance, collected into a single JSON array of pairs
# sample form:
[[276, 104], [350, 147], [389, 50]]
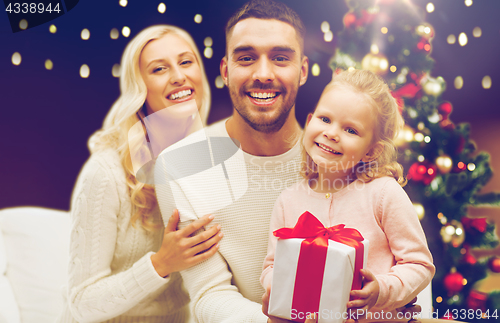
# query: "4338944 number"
[[32, 8]]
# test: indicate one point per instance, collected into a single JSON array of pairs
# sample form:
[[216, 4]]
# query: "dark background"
[[48, 115]]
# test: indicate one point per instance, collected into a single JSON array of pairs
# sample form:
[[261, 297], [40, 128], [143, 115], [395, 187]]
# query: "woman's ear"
[[375, 151]]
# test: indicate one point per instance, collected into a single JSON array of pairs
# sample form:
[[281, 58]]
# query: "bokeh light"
[[430, 7], [208, 52], [486, 82], [325, 26], [462, 39], [468, 3], [84, 71], [116, 70], [451, 39], [393, 68], [114, 34], [477, 32], [23, 24], [219, 83], [123, 3], [162, 7], [374, 49], [125, 31], [16, 58], [48, 64], [85, 34], [459, 82], [208, 41], [315, 70], [328, 36], [384, 30], [53, 29], [198, 18]]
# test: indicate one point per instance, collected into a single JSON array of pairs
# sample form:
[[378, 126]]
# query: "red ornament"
[[423, 172], [453, 282], [477, 300], [494, 264], [478, 224], [459, 167], [446, 124], [445, 109], [349, 19]]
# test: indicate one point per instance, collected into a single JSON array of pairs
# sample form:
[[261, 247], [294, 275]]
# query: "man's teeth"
[[180, 95], [328, 149], [263, 95]]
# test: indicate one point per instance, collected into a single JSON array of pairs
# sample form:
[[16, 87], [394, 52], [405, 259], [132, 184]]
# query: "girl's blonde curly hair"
[[388, 124]]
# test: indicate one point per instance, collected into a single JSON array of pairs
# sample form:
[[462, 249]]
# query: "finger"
[[196, 225], [199, 248], [203, 236], [204, 255], [367, 275], [358, 303], [172, 222], [311, 318]]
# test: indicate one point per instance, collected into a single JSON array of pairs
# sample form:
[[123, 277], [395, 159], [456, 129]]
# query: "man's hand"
[[412, 308]]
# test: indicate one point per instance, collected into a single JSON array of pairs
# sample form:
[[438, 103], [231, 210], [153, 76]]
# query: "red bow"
[[312, 258]]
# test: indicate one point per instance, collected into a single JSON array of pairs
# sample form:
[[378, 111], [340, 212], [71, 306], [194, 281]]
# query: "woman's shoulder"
[[104, 165]]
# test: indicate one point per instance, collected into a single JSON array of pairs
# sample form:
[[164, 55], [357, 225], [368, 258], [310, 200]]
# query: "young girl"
[[351, 177]]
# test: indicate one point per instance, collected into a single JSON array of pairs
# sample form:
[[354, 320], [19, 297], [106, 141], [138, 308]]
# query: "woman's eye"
[[158, 69], [325, 119], [187, 62]]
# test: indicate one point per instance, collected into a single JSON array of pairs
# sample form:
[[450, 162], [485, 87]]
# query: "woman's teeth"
[[263, 95], [180, 95]]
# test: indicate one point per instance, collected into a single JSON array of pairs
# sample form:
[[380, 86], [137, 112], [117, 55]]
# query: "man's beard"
[[269, 125]]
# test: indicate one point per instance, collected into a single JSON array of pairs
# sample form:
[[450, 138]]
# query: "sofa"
[[34, 245]]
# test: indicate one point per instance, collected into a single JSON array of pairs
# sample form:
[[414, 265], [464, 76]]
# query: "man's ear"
[[304, 70], [375, 151], [223, 69]]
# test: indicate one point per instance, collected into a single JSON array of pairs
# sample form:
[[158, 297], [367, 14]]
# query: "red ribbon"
[[312, 258]]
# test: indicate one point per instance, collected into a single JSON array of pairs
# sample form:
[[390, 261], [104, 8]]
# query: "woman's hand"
[[367, 297], [179, 250]]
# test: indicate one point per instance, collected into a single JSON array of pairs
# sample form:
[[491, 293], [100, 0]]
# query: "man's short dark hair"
[[268, 9]]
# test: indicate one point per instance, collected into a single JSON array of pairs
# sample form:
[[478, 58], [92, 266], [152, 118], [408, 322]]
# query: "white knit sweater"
[[226, 288], [111, 277]]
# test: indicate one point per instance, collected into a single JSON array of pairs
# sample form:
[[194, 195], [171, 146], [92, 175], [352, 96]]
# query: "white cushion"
[[9, 311], [37, 246]]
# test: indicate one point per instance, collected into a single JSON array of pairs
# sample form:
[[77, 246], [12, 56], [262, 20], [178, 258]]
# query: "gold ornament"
[[405, 136], [444, 163], [433, 86], [377, 63], [453, 232]]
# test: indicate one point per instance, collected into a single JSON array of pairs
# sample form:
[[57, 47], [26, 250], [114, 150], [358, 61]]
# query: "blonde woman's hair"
[[389, 122], [125, 113]]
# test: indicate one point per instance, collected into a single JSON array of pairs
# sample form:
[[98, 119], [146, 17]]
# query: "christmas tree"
[[445, 173]]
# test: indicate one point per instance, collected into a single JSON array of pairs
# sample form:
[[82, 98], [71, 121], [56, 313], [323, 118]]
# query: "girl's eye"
[[352, 131], [325, 119]]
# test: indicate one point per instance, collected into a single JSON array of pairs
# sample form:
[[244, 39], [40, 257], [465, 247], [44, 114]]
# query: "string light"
[[468, 3], [486, 82], [325, 26], [393, 68], [162, 8], [328, 36], [16, 58], [84, 71], [462, 39], [23, 24], [430, 7], [208, 52], [85, 34], [123, 3], [219, 83], [420, 158], [477, 32], [53, 29], [451, 39], [48, 64], [208, 41], [315, 70], [114, 33], [116, 70], [198, 18], [439, 299], [374, 49], [459, 82], [471, 167], [384, 30], [126, 31]]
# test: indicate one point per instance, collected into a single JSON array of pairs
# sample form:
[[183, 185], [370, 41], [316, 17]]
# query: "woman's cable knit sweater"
[[111, 277]]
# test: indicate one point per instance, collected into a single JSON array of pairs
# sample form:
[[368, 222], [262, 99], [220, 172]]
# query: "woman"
[[123, 265]]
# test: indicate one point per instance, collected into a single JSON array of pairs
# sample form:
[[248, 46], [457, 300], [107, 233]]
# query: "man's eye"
[[245, 59], [325, 119], [281, 59]]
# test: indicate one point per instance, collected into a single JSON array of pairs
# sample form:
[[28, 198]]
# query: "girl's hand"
[[367, 296], [179, 250]]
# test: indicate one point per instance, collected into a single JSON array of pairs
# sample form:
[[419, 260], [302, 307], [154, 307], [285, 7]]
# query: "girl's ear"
[[309, 117], [374, 152]]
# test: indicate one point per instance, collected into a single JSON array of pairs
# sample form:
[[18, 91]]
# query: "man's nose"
[[264, 71]]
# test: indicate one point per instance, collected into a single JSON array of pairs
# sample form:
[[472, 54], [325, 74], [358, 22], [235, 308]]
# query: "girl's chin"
[[181, 110]]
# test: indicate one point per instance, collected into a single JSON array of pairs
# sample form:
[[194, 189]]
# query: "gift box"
[[315, 268]]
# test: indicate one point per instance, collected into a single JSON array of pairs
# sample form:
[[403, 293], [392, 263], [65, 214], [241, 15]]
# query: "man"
[[263, 68]]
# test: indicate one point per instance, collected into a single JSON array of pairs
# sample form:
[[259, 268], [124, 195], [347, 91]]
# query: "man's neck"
[[264, 144]]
